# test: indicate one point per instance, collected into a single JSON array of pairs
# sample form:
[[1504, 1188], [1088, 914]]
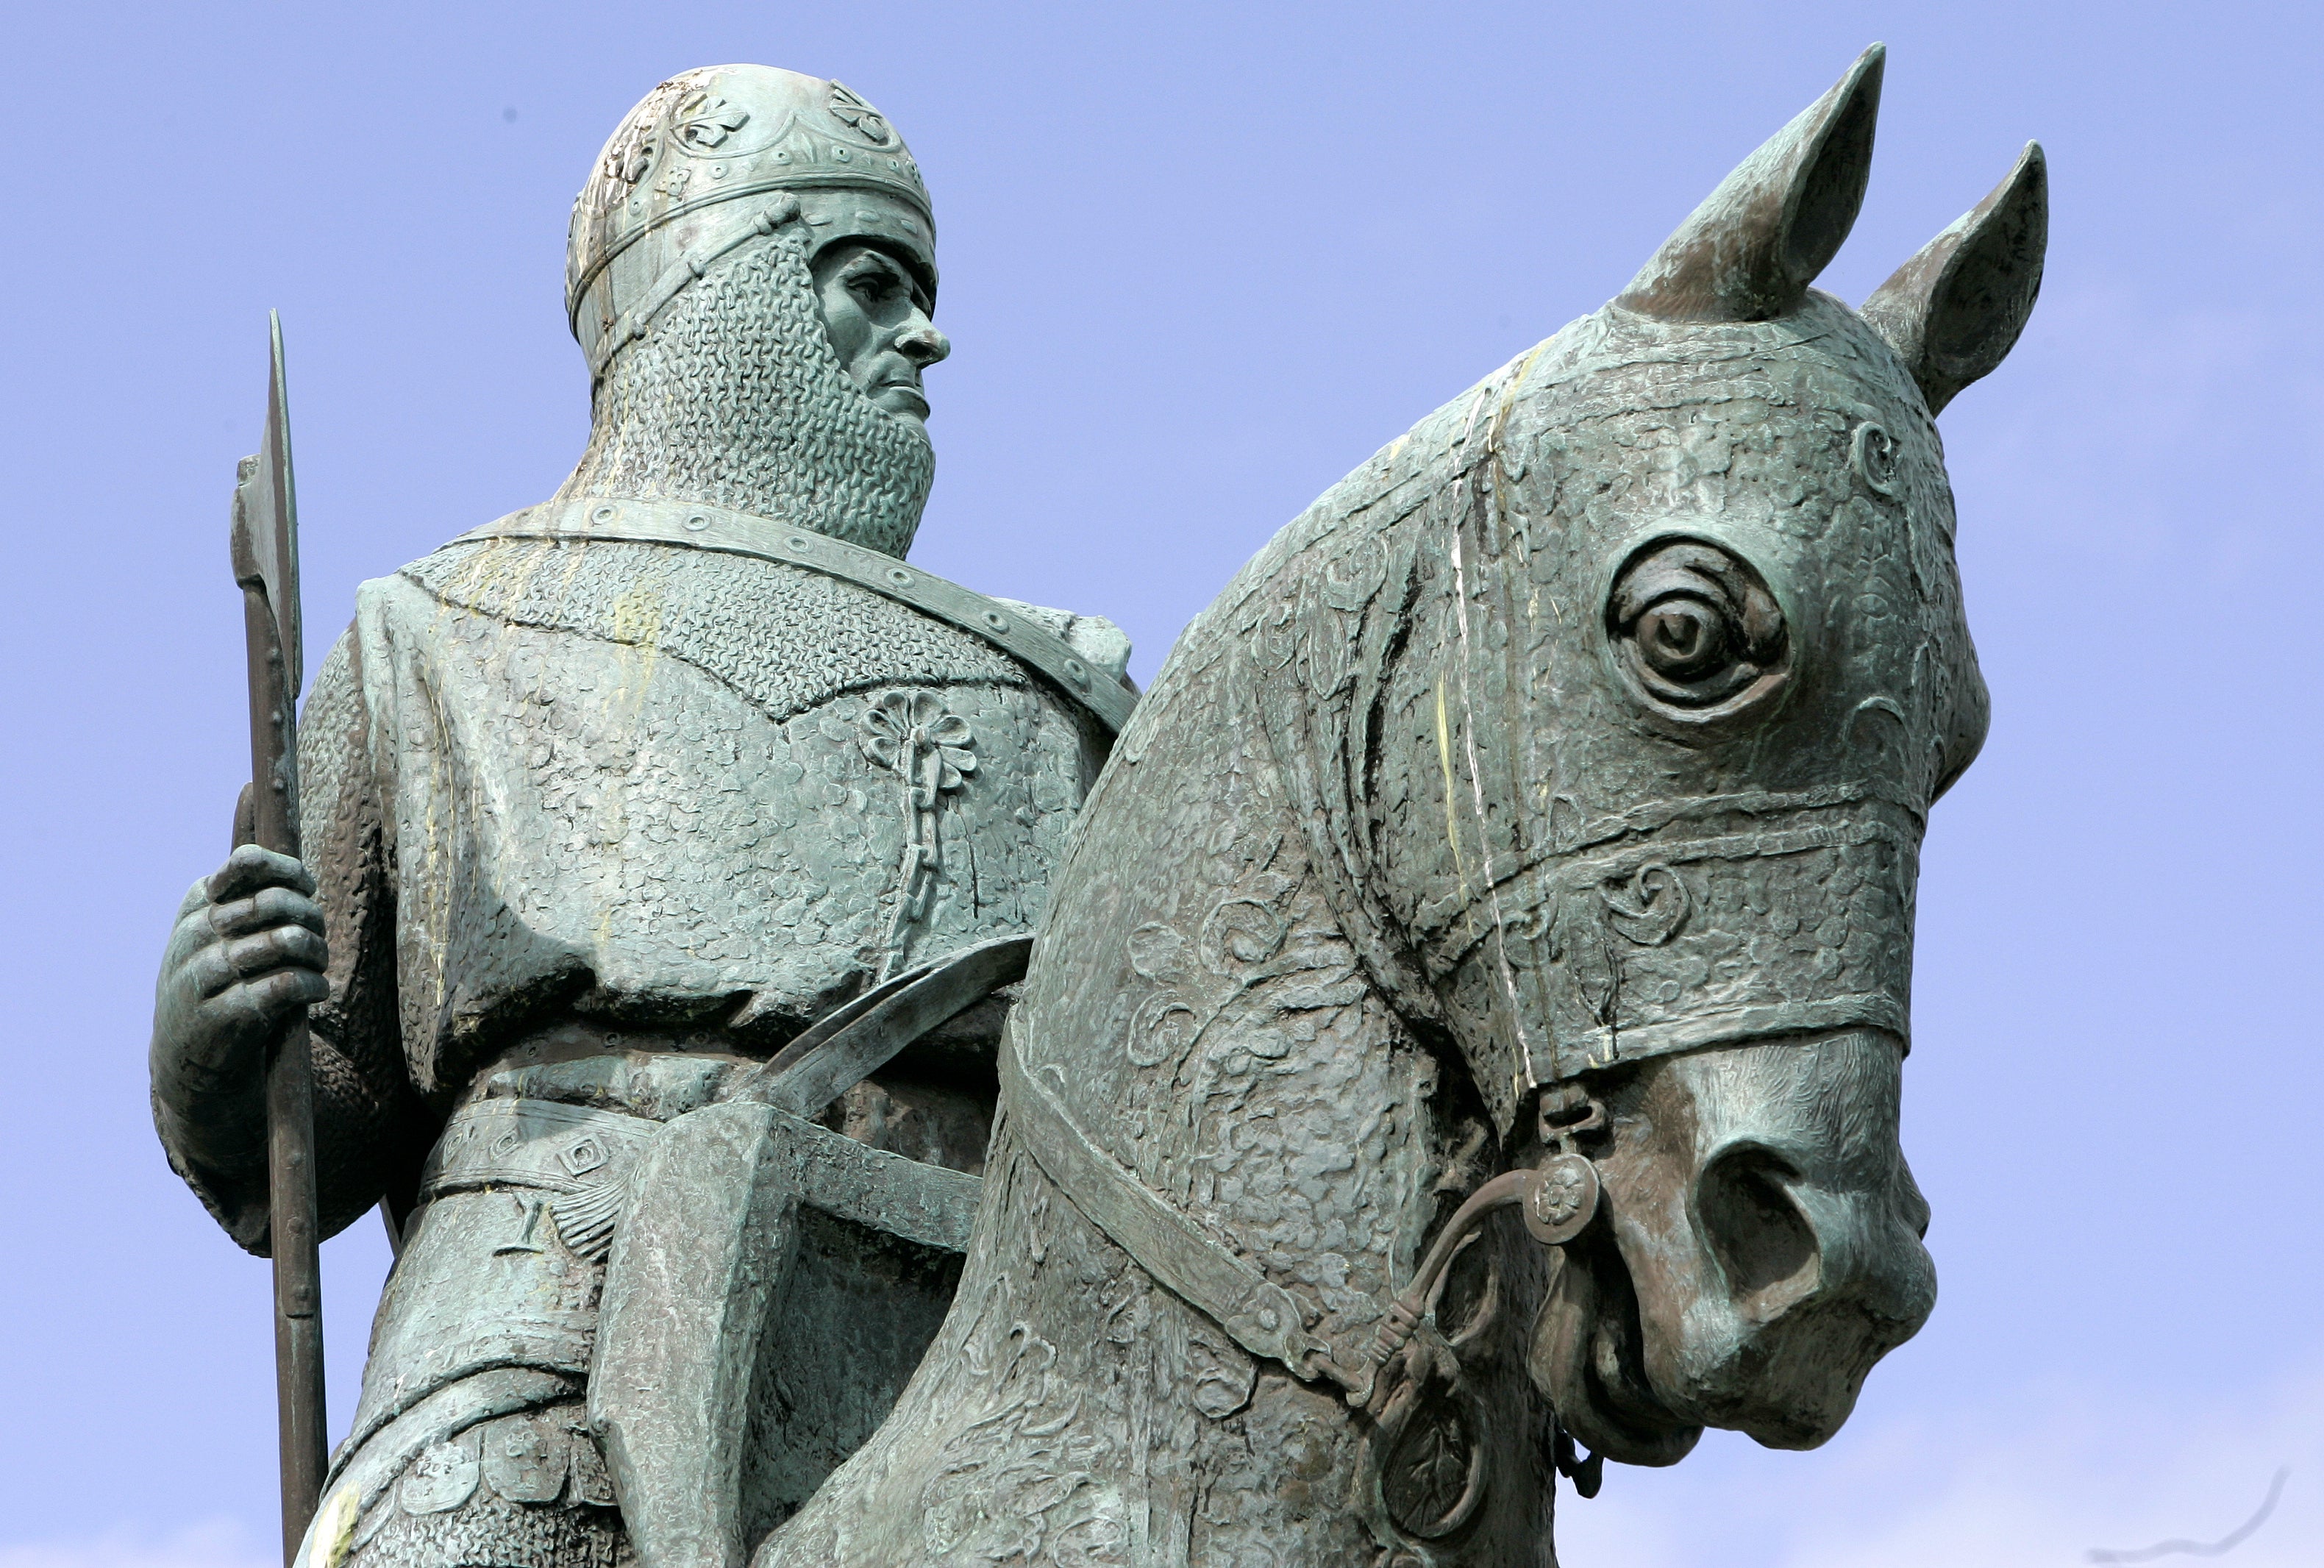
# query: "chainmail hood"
[[688, 286], [737, 399]]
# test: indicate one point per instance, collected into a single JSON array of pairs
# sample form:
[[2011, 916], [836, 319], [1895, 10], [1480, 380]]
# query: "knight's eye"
[[1697, 630]]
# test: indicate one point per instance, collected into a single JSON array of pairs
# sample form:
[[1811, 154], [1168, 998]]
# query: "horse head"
[[1646, 820], [1533, 824]]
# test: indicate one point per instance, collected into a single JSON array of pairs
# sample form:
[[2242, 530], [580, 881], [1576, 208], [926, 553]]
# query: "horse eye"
[[1683, 638], [1696, 629]]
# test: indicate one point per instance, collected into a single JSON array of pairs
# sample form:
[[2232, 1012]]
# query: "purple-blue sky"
[[1199, 261]]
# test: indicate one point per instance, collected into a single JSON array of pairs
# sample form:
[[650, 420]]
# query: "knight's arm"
[[214, 1129]]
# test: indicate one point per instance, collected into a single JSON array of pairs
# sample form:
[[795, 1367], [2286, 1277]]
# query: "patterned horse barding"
[[1546, 797]]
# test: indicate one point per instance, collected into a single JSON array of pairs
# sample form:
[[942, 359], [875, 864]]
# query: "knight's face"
[[876, 315]]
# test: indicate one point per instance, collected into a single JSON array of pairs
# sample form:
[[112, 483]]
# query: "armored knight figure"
[[605, 803]]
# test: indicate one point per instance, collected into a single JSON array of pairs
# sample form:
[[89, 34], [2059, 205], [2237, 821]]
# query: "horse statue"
[[1467, 1028]]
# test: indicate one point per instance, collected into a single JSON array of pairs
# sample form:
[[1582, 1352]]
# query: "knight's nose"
[[923, 344]]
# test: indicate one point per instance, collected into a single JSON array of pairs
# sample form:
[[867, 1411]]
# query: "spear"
[[266, 565]]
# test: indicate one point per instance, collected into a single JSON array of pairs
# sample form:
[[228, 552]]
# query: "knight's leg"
[[709, 1231], [702, 1252], [524, 1489]]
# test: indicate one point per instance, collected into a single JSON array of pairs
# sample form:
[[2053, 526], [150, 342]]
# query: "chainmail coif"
[[738, 400]]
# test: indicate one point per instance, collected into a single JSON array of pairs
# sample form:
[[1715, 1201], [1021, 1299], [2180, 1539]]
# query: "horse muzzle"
[[1759, 1250]]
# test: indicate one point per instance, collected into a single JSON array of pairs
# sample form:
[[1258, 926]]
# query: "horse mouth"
[[1587, 1358]]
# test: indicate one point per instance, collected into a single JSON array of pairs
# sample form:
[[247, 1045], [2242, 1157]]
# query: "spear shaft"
[[266, 565]]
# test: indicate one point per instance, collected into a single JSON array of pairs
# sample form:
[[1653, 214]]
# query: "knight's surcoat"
[[567, 797], [659, 788]]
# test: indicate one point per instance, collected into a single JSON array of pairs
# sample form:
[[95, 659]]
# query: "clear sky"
[[1199, 260]]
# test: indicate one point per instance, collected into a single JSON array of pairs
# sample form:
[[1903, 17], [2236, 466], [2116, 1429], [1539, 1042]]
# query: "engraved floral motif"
[[905, 726], [860, 118], [1240, 933], [1157, 952], [704, 122], [1650, 906], [912, 735], [1161, 1031], [1560, 1198], [1027, 1487], [1430, 1481], [627, 160]]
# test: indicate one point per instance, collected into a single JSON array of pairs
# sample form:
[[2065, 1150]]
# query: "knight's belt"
[[581, 1154], [1705, 924]]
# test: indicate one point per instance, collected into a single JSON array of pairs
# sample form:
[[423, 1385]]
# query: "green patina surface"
[[1546, 798]]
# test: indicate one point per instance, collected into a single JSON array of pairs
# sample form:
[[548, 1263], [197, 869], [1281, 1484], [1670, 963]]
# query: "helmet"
[[714, 157]]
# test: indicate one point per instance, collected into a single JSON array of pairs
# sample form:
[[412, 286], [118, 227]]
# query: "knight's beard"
[[738, 400]]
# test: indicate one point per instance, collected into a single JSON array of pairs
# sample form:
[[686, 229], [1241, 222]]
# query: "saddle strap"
[[1258, 1314], [690, 525]]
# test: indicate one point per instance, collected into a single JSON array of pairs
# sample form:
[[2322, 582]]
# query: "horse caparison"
[[1542, 807]]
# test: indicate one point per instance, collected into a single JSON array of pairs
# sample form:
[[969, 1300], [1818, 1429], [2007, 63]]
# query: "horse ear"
[[1954, 310], [1753, 247]]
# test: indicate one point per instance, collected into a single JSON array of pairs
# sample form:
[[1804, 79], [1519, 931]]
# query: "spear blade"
[[266, 516], [265, 550]]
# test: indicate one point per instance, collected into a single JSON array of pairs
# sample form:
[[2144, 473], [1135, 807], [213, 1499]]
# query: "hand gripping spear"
[[266, 565]]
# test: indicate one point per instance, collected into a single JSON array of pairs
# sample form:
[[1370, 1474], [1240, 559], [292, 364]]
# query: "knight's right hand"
[[246, 955]]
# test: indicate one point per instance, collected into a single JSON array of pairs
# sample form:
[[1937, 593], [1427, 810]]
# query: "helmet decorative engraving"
[[712, 156]]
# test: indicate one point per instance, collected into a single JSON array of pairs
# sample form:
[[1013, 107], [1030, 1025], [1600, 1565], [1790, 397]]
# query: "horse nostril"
[[1763, 1242]]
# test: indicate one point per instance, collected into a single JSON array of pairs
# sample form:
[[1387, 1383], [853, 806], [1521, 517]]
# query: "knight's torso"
[[651, 809], [665, 787]]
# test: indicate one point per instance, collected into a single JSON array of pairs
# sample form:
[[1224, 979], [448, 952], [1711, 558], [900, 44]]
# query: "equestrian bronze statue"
[[1463, 1037], [606, 802]]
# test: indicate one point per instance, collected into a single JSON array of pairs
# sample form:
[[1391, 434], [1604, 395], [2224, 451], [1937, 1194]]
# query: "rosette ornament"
[[905, 726]]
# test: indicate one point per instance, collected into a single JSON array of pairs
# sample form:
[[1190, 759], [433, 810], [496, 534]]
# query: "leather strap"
[[693, 526], [1258, 1314], [529, 1143]]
